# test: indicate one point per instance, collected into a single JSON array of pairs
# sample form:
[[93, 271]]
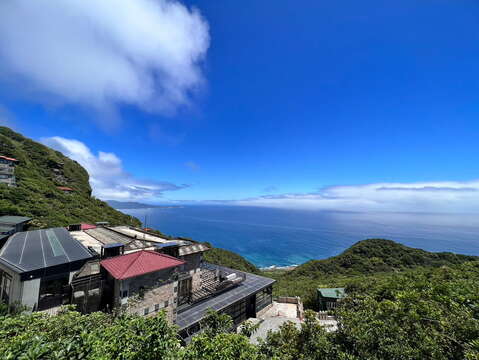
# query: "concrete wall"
[[192, 266], [16, 288]]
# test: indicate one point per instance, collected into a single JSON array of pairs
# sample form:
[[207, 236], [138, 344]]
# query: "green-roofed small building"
[[329, 297]]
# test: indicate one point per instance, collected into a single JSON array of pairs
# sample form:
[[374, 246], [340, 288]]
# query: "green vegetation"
[[373, 258], [38, 174], [422, 313], [229, 259]]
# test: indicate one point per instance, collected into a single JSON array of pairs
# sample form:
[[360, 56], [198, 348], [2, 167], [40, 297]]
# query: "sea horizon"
[[270, 237]]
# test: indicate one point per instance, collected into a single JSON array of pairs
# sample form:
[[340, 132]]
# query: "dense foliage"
[[229, 259], [40, 171], [425, 313], [374, 257]]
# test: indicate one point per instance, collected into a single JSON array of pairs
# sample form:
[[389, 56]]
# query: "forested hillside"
[[39, 172], [367, 259]]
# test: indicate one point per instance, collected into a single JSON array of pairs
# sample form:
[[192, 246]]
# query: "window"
[[145, 311], [141, 292], [166, 303], [54, 291], [124, 293], [237, 312], [264, 298], [157, 307], [175, 289], [5, 287]]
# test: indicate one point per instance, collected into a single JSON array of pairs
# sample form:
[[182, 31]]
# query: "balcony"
[[214, 281]]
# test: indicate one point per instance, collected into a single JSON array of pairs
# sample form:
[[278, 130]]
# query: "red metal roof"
[[87, 226], [8, 158], [138, 263], [64, 188]]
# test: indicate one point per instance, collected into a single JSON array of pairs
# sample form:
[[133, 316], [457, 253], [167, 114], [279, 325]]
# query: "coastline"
[[275, 268]]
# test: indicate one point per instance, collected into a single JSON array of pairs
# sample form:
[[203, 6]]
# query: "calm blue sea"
[[288, 237]]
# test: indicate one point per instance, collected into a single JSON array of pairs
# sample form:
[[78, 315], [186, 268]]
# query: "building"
[[7, 170], [65, 189], [328, 298], [18, 223], [37, 267], [101, 268]]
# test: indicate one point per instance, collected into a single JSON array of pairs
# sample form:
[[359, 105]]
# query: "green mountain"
[[39, 173], [229, 259], [365, 262], [377, 255]]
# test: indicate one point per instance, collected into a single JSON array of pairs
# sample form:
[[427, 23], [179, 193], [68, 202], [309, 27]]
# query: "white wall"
[[30, 292]]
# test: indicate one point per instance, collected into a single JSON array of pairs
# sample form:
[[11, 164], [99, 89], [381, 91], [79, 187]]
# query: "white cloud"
[[434, 197], [99, 53], [108, 179]]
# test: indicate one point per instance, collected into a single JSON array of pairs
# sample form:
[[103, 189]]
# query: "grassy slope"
[[367, 260], [229, 259], [37, 195]]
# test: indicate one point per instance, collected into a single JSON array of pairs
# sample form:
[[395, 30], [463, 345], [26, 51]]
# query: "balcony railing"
[[215, 280]]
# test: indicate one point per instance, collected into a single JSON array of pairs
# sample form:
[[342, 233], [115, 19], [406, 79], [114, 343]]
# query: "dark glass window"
[[237, 312], [264, 298], [54, 291], [5, 287]]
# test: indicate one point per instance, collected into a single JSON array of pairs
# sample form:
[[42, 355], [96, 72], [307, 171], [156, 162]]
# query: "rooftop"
[[336, 293], [251, 285], [13, 220], [7, 158], [192, 249], [40, 249], [138, 263], [65, 188]]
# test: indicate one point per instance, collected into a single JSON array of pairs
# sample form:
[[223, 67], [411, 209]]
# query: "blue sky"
[[288, 98]]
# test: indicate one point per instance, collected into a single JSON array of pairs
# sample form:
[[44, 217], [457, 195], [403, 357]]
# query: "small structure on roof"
[[65, 189], [17, 222], [328, 298], [7, 170]]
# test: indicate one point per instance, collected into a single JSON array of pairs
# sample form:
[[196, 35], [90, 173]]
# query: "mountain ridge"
[[39, 173]]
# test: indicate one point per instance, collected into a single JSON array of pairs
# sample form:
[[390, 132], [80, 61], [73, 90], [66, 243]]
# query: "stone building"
[[103, 268]]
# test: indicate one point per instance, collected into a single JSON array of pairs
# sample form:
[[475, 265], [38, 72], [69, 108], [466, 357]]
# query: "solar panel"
[[251, 285]]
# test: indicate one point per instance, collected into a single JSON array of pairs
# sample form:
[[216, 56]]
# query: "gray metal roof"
[[192, 249], [251, 285], [40, 249], [13, 220], [6, 229]]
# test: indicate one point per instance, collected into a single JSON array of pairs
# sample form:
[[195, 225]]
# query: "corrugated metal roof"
[[13, 220], [192, 249], [336, 293], [138, 263]]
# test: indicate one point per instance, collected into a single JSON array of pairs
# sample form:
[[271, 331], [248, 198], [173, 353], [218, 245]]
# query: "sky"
[[344, 105]]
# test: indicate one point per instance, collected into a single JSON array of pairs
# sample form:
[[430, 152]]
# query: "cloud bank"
[[431, 197], [100, 53], [108, 179]]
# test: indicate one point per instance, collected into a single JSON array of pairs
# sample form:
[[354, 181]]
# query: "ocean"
[[278, 237]]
